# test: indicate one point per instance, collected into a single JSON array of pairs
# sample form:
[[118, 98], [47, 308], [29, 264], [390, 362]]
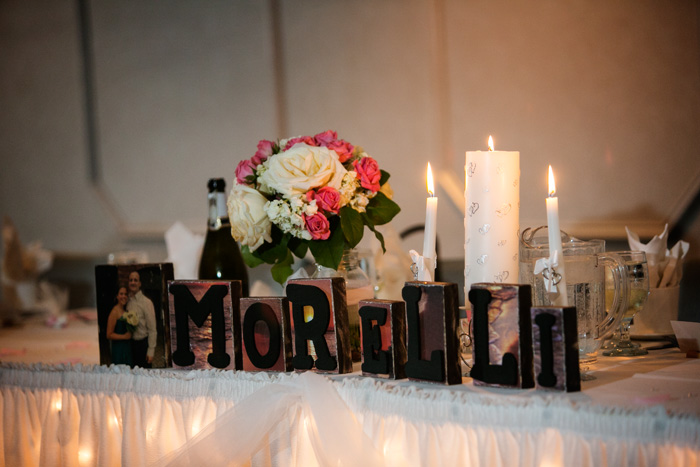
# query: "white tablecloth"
[[637, 412]]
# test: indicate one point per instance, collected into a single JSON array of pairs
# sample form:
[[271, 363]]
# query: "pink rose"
[[368, 172], [343, 149], [244, 170], [325, 138], [264, 151], [328, 199], [318, 226], [301, 139]]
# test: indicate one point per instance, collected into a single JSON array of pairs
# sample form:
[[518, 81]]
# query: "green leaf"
[[384, 178], [351, 225], [368, 222], [379, 236], [275, 251], [298, 246], [250, 258], [329, 252], [381, 209], [283, 268]]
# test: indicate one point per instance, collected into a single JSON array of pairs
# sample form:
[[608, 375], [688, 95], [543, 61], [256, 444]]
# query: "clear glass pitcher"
[[357, 287], [585, 263]]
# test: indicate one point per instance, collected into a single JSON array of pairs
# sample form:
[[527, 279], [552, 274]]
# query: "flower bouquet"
[[131, 319], [306, 193]]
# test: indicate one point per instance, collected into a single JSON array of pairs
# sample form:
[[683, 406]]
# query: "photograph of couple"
[[131, 314], [131, 326]]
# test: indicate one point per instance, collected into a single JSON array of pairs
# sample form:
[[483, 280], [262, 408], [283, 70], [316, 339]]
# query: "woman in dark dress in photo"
[[117, 331]]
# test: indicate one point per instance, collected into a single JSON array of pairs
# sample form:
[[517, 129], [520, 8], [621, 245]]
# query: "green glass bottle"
[[221, 256]]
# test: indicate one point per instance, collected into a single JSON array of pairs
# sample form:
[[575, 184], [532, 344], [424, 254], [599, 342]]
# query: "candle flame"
[[431, 187], [490, 143], [552, 187]]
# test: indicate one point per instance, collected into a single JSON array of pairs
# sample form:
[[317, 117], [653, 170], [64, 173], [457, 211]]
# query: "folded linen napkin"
[[665, 266], [184, 250]]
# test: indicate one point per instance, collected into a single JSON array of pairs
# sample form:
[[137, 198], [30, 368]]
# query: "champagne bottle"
[[221, 257]]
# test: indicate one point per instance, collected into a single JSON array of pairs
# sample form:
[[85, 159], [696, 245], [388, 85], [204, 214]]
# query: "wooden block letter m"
[[185, 305]]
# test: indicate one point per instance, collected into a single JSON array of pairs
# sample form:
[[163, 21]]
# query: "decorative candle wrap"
[[491, 222]]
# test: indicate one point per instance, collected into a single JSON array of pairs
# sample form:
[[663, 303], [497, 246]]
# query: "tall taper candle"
[[492, 220], [554, 235], [430, 232]]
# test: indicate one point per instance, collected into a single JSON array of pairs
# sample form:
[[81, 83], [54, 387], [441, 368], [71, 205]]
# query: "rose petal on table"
[[652, 400]]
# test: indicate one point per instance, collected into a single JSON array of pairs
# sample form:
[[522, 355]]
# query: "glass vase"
[[357, 287]]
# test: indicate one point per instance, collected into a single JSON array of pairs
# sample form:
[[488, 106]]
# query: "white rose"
[[302, 168], [249, 222], [131, 318]]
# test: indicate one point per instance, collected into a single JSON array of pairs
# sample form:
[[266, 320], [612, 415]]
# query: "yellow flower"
[[386, 189]]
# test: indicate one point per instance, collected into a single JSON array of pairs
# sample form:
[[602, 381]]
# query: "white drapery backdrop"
[[75, 416]]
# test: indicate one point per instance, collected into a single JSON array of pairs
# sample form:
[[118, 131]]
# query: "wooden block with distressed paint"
[[320, 317], [432, 318], [153, 284], [502, 336], [383, 337], [266, 334], [205, 324], [555, 344]]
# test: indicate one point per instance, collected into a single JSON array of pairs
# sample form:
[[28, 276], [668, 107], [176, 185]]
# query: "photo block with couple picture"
[[131, 307]]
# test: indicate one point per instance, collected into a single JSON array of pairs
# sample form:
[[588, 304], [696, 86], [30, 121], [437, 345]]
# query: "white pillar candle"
[[560, 297], [430, 233], [492, 219]]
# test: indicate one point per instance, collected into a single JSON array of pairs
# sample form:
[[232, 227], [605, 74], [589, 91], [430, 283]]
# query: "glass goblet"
[[638, 284]]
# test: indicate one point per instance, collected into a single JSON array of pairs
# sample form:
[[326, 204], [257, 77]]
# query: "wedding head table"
[[638, 411]]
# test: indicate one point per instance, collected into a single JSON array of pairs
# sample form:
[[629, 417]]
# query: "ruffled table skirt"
[[92, 415]]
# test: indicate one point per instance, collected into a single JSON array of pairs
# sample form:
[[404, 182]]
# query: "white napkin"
[[262, 289], [673, 272], [665, 266], [688, 336], [184, 250]]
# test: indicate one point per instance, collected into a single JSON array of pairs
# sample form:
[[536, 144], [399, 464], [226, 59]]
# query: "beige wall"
[[606, 92]]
